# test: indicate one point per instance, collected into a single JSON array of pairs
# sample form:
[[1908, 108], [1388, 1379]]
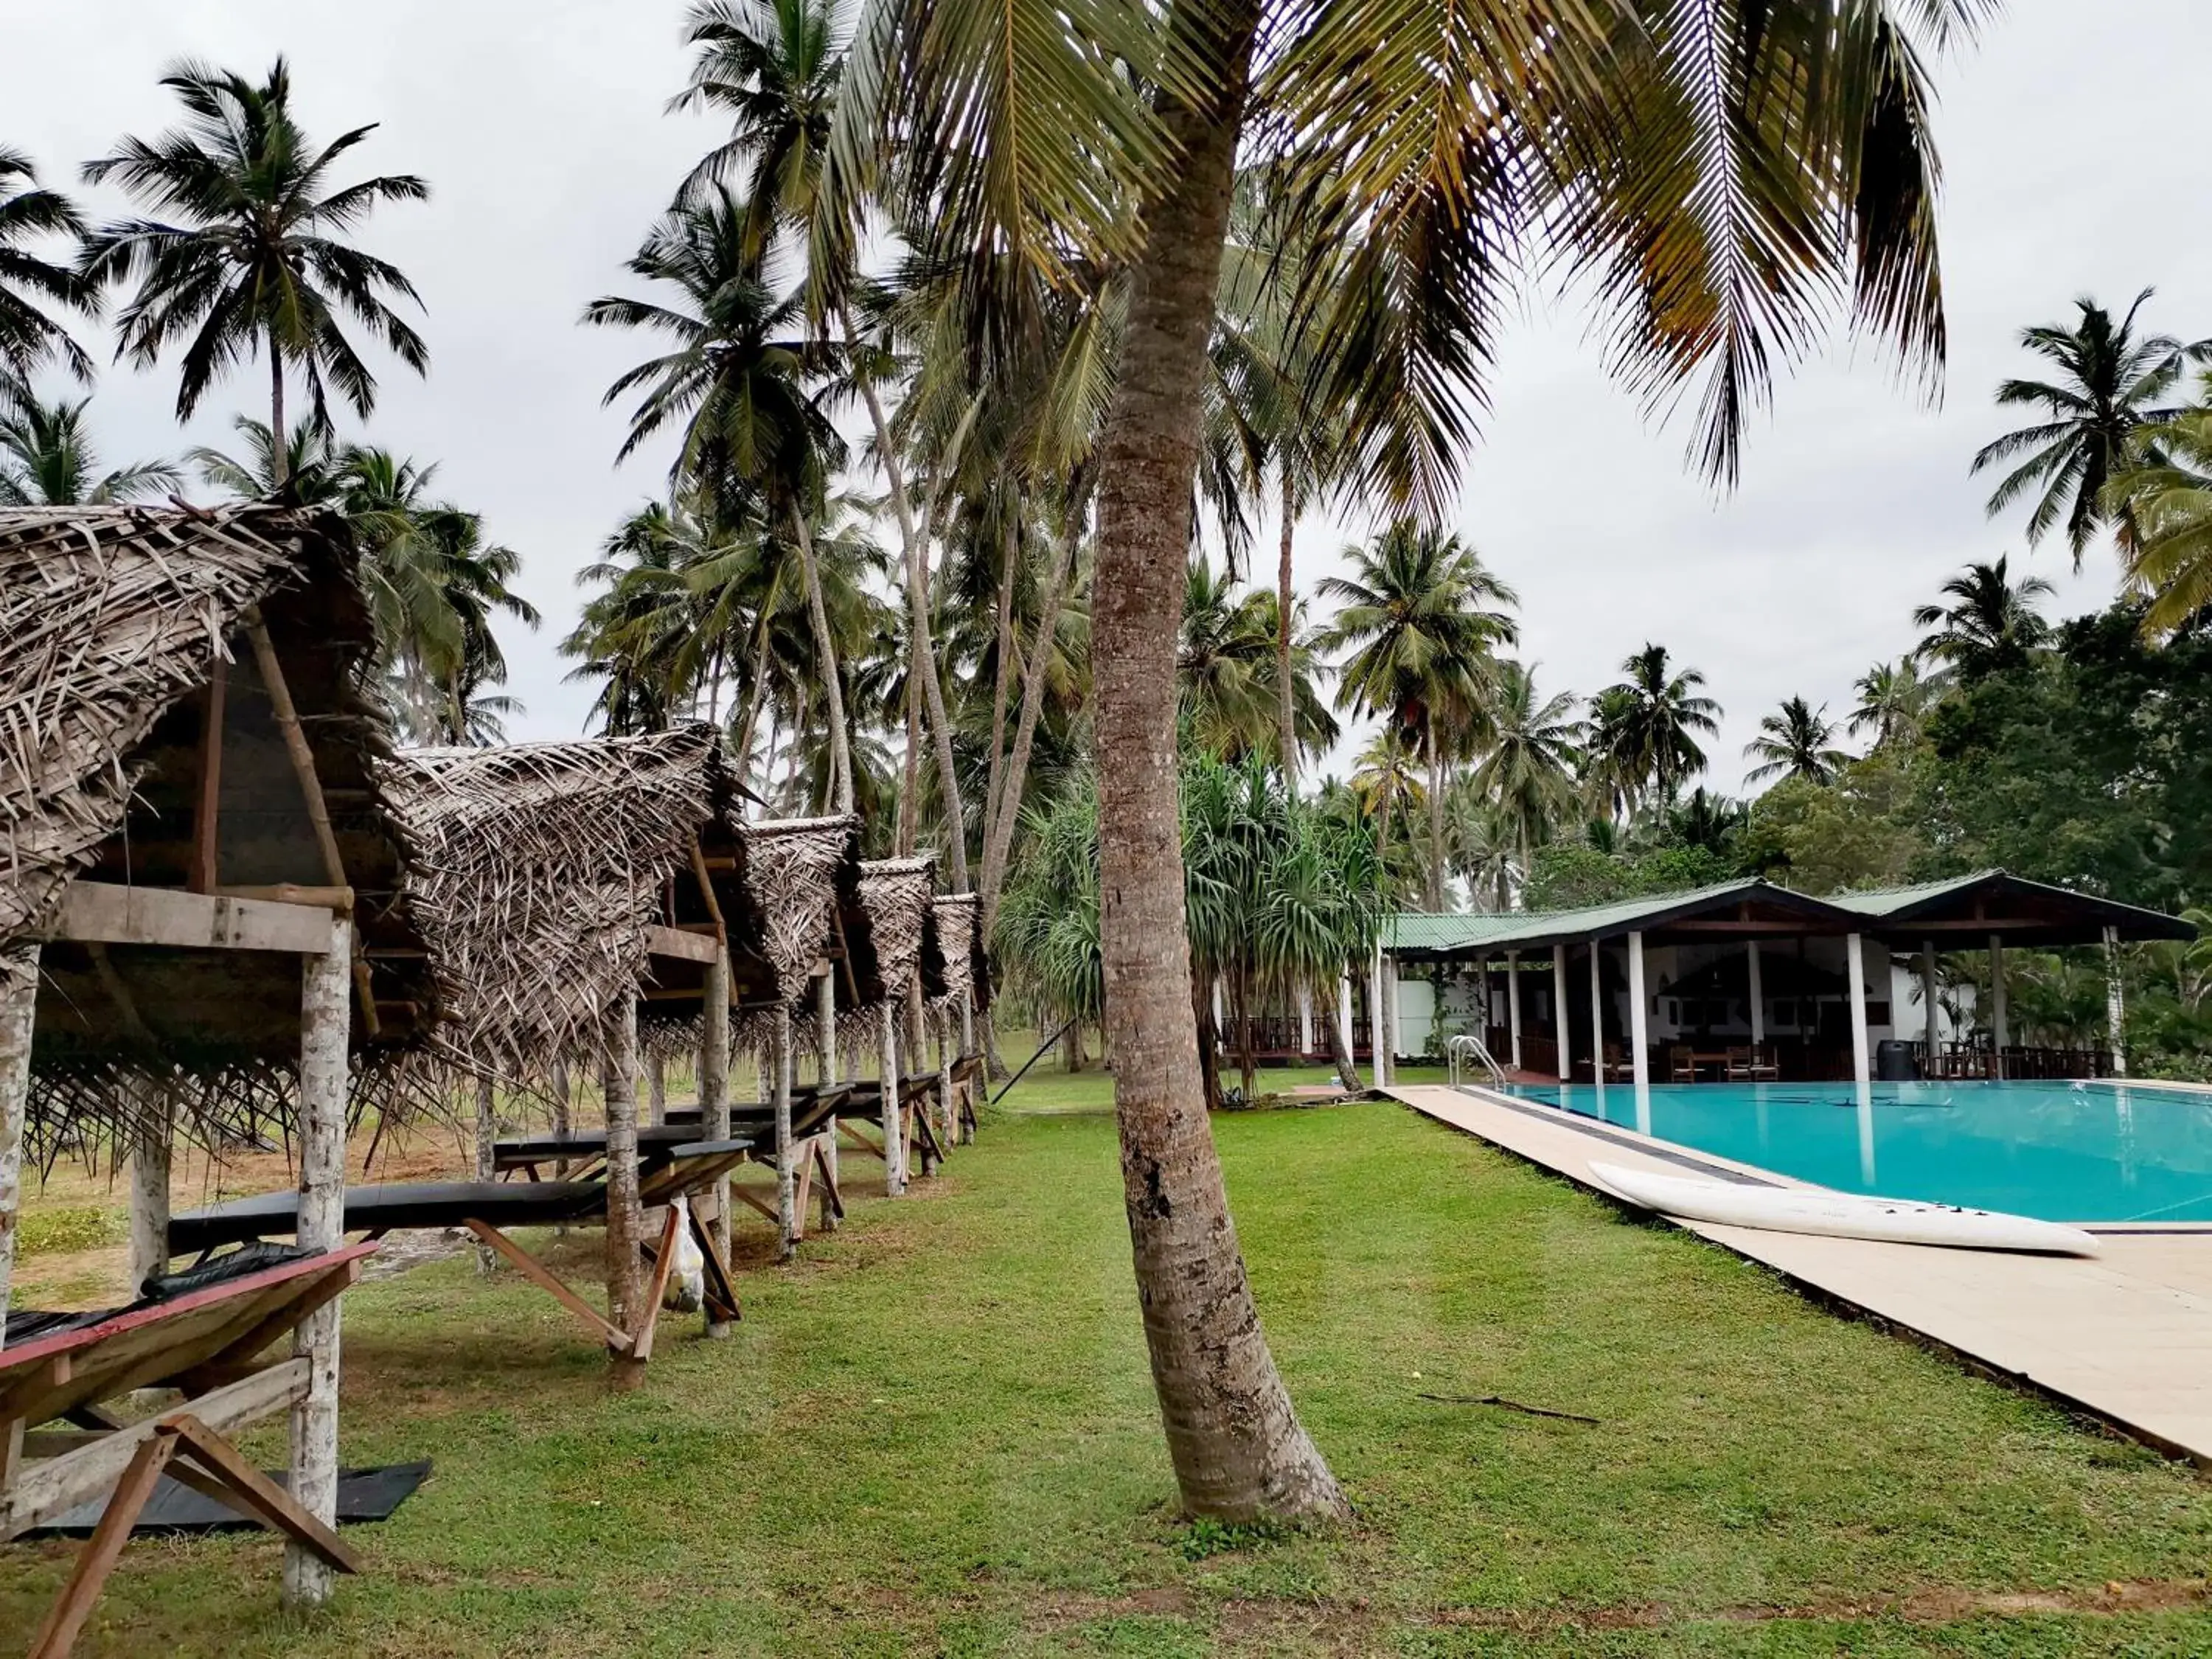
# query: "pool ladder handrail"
[[1458, 1050]]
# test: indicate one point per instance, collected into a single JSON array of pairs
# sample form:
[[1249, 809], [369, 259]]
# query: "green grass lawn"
[[936, 1435]]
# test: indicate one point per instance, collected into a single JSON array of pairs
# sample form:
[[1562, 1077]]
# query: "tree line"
[[1085, 279]]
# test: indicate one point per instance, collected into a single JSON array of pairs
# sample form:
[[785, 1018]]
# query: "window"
[[1877, 1013]]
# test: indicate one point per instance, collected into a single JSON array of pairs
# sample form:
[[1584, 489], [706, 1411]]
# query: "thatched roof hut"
[[800, 885], [967, 968], [898, 894], [544, 866], [187, 705]]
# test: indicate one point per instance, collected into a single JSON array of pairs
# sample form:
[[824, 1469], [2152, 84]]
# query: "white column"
[[1375, 1023], [1597, 1019], [1758, 997], [2000, 1036], [1344, 1010], [326, 1025], [1639, 1034], [1931, 1032], [19, 1001], [714, 1099], [1855, 962], [2115, 1005], [1513, 1004], [1559, 1011], [894, 1140], [1390, 1004], [1305, 1021]]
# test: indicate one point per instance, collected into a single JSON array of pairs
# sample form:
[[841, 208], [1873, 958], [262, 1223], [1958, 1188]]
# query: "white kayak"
[[1839, 1215]]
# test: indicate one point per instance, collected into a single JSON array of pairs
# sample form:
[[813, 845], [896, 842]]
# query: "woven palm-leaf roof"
[[544, 864], [966, 969], [114, 623]]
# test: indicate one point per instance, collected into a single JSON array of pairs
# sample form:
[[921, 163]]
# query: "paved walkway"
[[2126, 1337]]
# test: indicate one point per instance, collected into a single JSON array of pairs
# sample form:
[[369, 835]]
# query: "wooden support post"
[[787, 1176], [714, 1102], [97, 1560], [948, 1111], [1931, 1031], [967, 1022], [894, 1142], [19, 1001], [825, 1021], [203, 867], [487, 1162], [311, 785], [325, 1024], [656, 1088], [625, 1220]]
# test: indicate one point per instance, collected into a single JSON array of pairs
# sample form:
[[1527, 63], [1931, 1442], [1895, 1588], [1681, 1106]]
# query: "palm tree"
[[1796, 741], [1992, 622], [1655, 717], [1420, 620], [46, 460], [737, 382], [1893, 698], [1528, 775], [434, 580], [1228, 665], [1439, 145], [632, 632], [772, 66], [255, 262], [2107, 384], [2166, 493], [29, 335]]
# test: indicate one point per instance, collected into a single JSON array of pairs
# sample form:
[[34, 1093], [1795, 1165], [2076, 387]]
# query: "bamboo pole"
[[326, 1025]]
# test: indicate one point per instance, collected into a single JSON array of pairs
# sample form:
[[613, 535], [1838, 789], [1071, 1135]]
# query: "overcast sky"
[[2069, 170]]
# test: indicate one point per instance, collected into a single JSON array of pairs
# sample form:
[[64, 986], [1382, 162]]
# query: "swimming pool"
[[2061, 1152]]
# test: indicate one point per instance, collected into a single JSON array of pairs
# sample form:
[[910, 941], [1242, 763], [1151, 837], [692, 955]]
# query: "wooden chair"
[[1617, 1067], [1747, 1064], [206, 1342], [1681, 1066]]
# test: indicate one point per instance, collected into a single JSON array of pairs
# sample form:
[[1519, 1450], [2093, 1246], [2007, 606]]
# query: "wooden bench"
[[490, 1209], [204, 1342]]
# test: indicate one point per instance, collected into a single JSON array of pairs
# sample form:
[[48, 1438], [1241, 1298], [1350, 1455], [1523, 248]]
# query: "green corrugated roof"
[[1414, 931], [1424, 931]]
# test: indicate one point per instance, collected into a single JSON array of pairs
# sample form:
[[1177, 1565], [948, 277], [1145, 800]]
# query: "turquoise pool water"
[[2061, 1152]]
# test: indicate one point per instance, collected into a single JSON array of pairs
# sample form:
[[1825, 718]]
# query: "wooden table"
[[204, 1342]]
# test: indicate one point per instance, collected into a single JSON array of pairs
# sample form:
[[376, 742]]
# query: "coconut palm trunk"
[[1238, 1449], [280, 454], [1000, 843], [1286, 701], [825, 645], [1435, 817]]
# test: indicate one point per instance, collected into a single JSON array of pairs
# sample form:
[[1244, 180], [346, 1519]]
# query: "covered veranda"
[[1750, 978]]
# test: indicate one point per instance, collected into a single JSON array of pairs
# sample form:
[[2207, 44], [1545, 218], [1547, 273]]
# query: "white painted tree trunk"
[[150, 1185], [786, 1174], [487, 1132], [625, 1224], [714, 1099], [894, 1141], [946, 1109], [825, 1016], [325, 1024], [19, 999]]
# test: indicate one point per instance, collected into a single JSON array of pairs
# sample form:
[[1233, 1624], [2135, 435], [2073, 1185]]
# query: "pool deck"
[[2126, 1337]]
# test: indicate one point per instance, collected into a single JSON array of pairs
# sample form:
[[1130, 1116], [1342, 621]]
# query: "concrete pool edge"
[[2124, 1338]]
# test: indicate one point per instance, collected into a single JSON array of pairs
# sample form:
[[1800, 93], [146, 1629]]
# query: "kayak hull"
[[1828, 1214]]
